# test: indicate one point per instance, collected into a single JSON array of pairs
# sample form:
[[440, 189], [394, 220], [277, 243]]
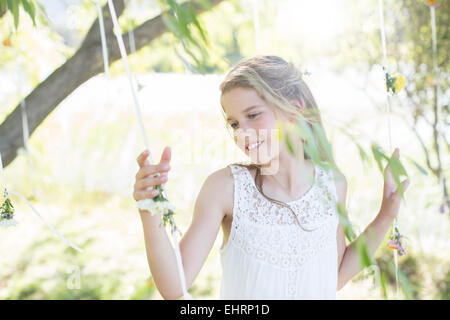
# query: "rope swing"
[[159, 204]]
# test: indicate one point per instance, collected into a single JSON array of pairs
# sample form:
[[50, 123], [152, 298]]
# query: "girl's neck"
[[293, 174]]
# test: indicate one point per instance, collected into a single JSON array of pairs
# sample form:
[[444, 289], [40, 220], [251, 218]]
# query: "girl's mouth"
[[254, 146]]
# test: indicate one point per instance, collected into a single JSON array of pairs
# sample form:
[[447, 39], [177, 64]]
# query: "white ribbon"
[[436, 71], [388, 105], [26, 138], [433, 37], [123, 53], [103, 37], [255, 5], [2, 175]]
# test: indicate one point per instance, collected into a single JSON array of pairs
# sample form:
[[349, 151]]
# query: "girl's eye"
[[251, 116]]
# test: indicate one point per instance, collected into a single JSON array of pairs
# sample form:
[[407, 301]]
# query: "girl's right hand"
[[145, 177]]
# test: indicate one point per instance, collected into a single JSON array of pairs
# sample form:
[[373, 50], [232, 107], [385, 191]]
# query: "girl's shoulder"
[[223, 181], [241, 166], [221, 184]]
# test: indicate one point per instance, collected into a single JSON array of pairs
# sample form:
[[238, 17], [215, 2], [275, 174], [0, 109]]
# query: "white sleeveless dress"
[[268, 255]]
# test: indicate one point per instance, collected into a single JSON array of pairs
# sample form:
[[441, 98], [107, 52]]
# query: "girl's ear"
[[298, 103]]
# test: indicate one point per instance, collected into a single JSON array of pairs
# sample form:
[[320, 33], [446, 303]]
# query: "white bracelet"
[[154, 207]]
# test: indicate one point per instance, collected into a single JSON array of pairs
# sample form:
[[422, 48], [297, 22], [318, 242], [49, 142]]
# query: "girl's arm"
[[196, 242], [348, 257]]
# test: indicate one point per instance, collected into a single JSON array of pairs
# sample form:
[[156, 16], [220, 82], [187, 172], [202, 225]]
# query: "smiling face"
[[254, 124]]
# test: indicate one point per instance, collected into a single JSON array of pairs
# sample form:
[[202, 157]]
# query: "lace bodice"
[[267, 233]]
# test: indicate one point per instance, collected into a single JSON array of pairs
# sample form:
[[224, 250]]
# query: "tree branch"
[[84, 64]]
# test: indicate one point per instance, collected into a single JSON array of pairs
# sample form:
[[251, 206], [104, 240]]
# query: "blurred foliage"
[[32, 7], [443, 287], [409, 52], [408, 267], [317, 148]]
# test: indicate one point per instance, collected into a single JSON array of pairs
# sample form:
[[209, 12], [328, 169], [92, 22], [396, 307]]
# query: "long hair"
[[277, 82]]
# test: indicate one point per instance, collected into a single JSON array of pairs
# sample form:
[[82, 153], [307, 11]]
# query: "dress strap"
[[240, 202], [238, 173], [332, 186]]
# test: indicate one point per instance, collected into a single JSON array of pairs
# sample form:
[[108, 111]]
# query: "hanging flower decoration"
[[433, 3], [394, 82], [306, 73], [159, 204], [400, 82], [7, 212], [395, 242], [7, 42]]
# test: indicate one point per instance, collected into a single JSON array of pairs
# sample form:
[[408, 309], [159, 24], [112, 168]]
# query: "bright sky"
[[316, 19]]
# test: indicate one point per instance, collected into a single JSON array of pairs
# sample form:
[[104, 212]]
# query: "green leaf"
[[363, 155], [13, 5], [383, 284], [196, 23], [29, 7], [343, 218], [2, 5], [420, 168], [378, 155], [323, 141], [289, 144], [42, 13], [171, 24], [186, 63], [310, 146], [365, 259], [397, 170], [405, 284]]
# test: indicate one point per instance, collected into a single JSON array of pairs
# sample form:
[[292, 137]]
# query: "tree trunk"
[[84, 64]]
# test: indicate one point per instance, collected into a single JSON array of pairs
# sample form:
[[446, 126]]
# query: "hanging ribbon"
[[383, 42], [255, 4], [394, 83], [132, 44], [25, 129], [26, 135], [435, 82], [103, 38], [123, 53]]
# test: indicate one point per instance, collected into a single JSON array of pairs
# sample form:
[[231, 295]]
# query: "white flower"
[[5, 223], [155, 207]]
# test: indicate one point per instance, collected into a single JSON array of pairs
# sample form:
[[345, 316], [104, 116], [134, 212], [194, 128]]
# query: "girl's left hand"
[[391, 197]]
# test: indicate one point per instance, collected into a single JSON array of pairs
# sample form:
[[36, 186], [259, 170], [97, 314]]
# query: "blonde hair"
[[277, 82]]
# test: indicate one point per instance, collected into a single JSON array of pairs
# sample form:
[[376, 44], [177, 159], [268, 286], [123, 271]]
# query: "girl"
[[282, 235]]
